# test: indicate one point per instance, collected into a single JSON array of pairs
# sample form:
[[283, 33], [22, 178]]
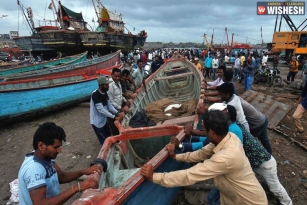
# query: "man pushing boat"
[[223, 159]]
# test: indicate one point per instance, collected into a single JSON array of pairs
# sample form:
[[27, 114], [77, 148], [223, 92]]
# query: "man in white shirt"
[[215, 65], [226, 59], [236, 68], [265, 58], [218, 81], [226, 91], [115, 92], [138, 75]]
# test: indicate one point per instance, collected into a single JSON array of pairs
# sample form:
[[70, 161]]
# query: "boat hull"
[[86, 68], [35, 46], [19, 103], [62, 61], [155, 194], [113, 41]]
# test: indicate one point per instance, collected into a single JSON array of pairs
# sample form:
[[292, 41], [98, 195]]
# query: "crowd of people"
[[226, 147]]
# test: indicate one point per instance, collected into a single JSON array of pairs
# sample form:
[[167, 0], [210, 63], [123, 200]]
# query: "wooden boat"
[[177, 79], [33, 96], [14, 64], [67, 60], [88, 68]]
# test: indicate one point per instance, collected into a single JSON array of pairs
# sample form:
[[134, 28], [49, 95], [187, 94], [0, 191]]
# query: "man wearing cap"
[[102, 111], [197, 64]]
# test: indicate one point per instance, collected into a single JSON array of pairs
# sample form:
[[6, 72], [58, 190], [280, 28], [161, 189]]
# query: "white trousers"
[[268, 171]]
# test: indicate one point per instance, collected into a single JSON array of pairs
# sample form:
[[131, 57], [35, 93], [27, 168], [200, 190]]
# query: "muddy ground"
[[82, 147]]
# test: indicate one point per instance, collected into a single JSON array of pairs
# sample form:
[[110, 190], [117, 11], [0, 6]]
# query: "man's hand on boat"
[[171, 150], [91, 170], [147, 171], [124, 109], [201, 108], [120, 116], [187, 129], [88, 183], [175, 141], [128, 103]]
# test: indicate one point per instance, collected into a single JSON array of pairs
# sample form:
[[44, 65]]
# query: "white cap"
[[218, 106]]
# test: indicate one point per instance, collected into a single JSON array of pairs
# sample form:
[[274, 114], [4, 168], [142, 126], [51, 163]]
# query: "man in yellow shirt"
[[196, 62], [293, 69], [223, 159], [242, 59]]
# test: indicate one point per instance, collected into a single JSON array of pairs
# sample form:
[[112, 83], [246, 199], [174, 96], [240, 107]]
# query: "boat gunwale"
[[80, 54], [40, 72], [103, 71]]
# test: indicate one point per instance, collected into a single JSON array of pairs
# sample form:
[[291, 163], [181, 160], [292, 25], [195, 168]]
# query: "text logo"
[[281, 8], [261, 10]]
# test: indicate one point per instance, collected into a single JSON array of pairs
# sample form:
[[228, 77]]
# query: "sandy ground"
[[82, 147]]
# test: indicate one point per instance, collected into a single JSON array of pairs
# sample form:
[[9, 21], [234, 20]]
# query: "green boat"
[[178, 80], [62, 61]]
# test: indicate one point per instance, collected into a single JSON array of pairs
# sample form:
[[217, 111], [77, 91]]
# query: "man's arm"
[[214, 99], [131, 80], [66, 177], [38, 196], [111, 108], [103, 111], [196, 156], [215, 93], [202, 171], [198, 132], [144, 85]]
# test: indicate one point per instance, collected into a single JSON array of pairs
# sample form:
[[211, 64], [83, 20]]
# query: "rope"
[[86, 9]]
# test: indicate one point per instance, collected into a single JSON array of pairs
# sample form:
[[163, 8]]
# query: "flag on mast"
[[50, 6]]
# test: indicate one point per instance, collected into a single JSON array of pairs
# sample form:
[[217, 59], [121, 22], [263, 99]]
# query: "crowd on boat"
[[225, 147]]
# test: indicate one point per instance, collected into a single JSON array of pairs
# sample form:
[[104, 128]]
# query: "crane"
[[291, 42], [206, 40]]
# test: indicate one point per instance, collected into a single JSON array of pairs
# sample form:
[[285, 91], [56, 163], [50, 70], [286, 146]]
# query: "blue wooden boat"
[[177, 79], [88, 67], [62, 61], [30, 97]]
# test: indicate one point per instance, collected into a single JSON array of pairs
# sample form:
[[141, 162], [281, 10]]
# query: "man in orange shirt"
[[196, 62], [293, 69]]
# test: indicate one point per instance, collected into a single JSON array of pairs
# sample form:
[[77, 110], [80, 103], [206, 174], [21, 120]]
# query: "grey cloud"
[[167, 20]]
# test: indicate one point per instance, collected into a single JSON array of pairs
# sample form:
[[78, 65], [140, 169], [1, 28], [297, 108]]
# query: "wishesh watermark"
[[274, 8]]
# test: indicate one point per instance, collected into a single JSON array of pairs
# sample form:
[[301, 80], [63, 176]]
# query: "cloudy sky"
[[164, 20]]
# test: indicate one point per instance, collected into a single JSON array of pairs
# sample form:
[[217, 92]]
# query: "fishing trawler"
[[70, 31]]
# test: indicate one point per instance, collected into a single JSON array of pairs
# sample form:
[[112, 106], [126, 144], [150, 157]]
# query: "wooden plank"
[[179, 121], [274, 111], [175, 76], [176, 69]]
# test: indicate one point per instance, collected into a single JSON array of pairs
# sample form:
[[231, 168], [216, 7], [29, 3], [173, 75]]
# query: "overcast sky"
[[164, 20]]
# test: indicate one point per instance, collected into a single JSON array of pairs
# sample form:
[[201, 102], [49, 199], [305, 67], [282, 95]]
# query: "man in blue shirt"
[[248, 71], [208, 66], [39, 176]]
